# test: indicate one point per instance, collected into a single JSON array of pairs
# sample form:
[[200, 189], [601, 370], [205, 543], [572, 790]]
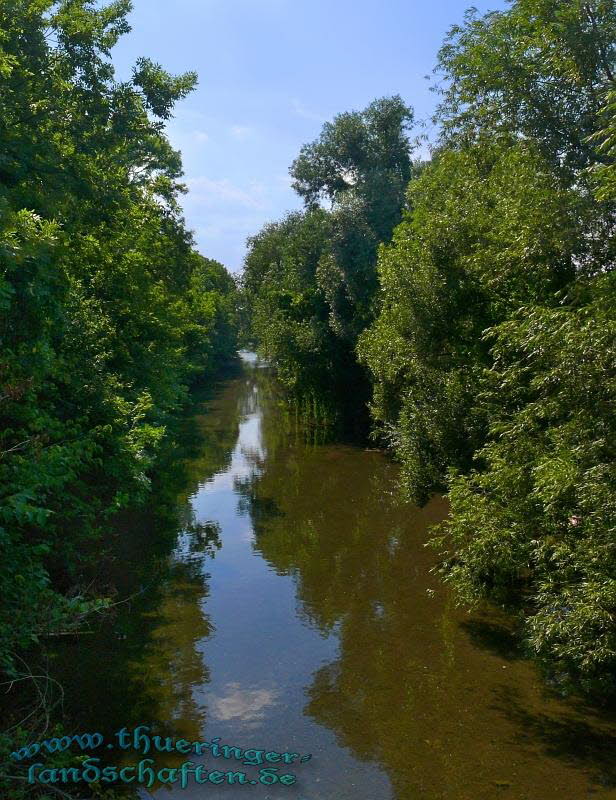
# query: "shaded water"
[[297, 613]]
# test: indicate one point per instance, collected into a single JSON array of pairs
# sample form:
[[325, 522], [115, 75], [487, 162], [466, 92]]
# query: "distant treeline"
[[107, 312], [470, 299]]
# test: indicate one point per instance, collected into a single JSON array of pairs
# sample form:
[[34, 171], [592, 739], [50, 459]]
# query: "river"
[[286, 603]]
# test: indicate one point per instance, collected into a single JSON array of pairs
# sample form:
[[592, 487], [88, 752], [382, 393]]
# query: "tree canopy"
[[476, 291], [107, 313], [311, 280]]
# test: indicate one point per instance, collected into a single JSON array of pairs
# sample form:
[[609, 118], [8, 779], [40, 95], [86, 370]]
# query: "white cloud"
[[201, 136], [285, 180], [301, 111], [241, 132], [206, 191]]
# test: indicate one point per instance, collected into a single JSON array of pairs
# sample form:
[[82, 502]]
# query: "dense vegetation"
[[310, 280], [475, 294], [107, 313]]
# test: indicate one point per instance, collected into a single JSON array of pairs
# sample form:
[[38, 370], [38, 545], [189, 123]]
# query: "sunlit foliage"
[[106, 312]]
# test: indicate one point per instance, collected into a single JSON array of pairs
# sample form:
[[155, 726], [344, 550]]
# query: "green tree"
[[489, 228], [104, 306], [537, 70], [310, 280], [493, 353], [288, 308], [360, 163], [534, 528]]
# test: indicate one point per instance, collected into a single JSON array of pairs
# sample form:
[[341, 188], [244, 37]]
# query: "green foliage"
[[493, 353], [289, 312], [106, 311], [211, 334], [361, 154], [310, 280], [361, 163], [490, 227], [536, 70], [160, 89], [509, 229], [603, 173], [535, 527]]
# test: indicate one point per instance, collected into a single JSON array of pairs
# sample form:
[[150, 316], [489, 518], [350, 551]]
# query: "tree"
[[493, 353], [311, 279], [489, 228], [534, 528], [99, 285], [361, 163], [288, 308], [537, 70]]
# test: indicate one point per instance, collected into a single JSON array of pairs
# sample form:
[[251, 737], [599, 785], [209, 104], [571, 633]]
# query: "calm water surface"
[[298, 613]]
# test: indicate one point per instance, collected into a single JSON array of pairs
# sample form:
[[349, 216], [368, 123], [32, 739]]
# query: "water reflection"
[[294, 609], [439, 700], [243, 704], [142, 664]]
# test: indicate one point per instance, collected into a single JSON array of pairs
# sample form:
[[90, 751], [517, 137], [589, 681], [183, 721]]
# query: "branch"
[[15, 447], [603, 54]]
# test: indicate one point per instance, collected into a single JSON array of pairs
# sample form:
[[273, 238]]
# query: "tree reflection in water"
[[412, 689]]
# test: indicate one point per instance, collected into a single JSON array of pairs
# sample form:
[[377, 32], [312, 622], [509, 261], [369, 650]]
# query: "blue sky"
[[270, 73]]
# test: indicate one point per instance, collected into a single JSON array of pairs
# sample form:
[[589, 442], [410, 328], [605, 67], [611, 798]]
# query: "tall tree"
[[311, 279], [538, 70], [493, 353], [360, 163], [99, 285], [490, 228]]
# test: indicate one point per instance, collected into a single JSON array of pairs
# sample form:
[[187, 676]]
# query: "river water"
[[292, 609]]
